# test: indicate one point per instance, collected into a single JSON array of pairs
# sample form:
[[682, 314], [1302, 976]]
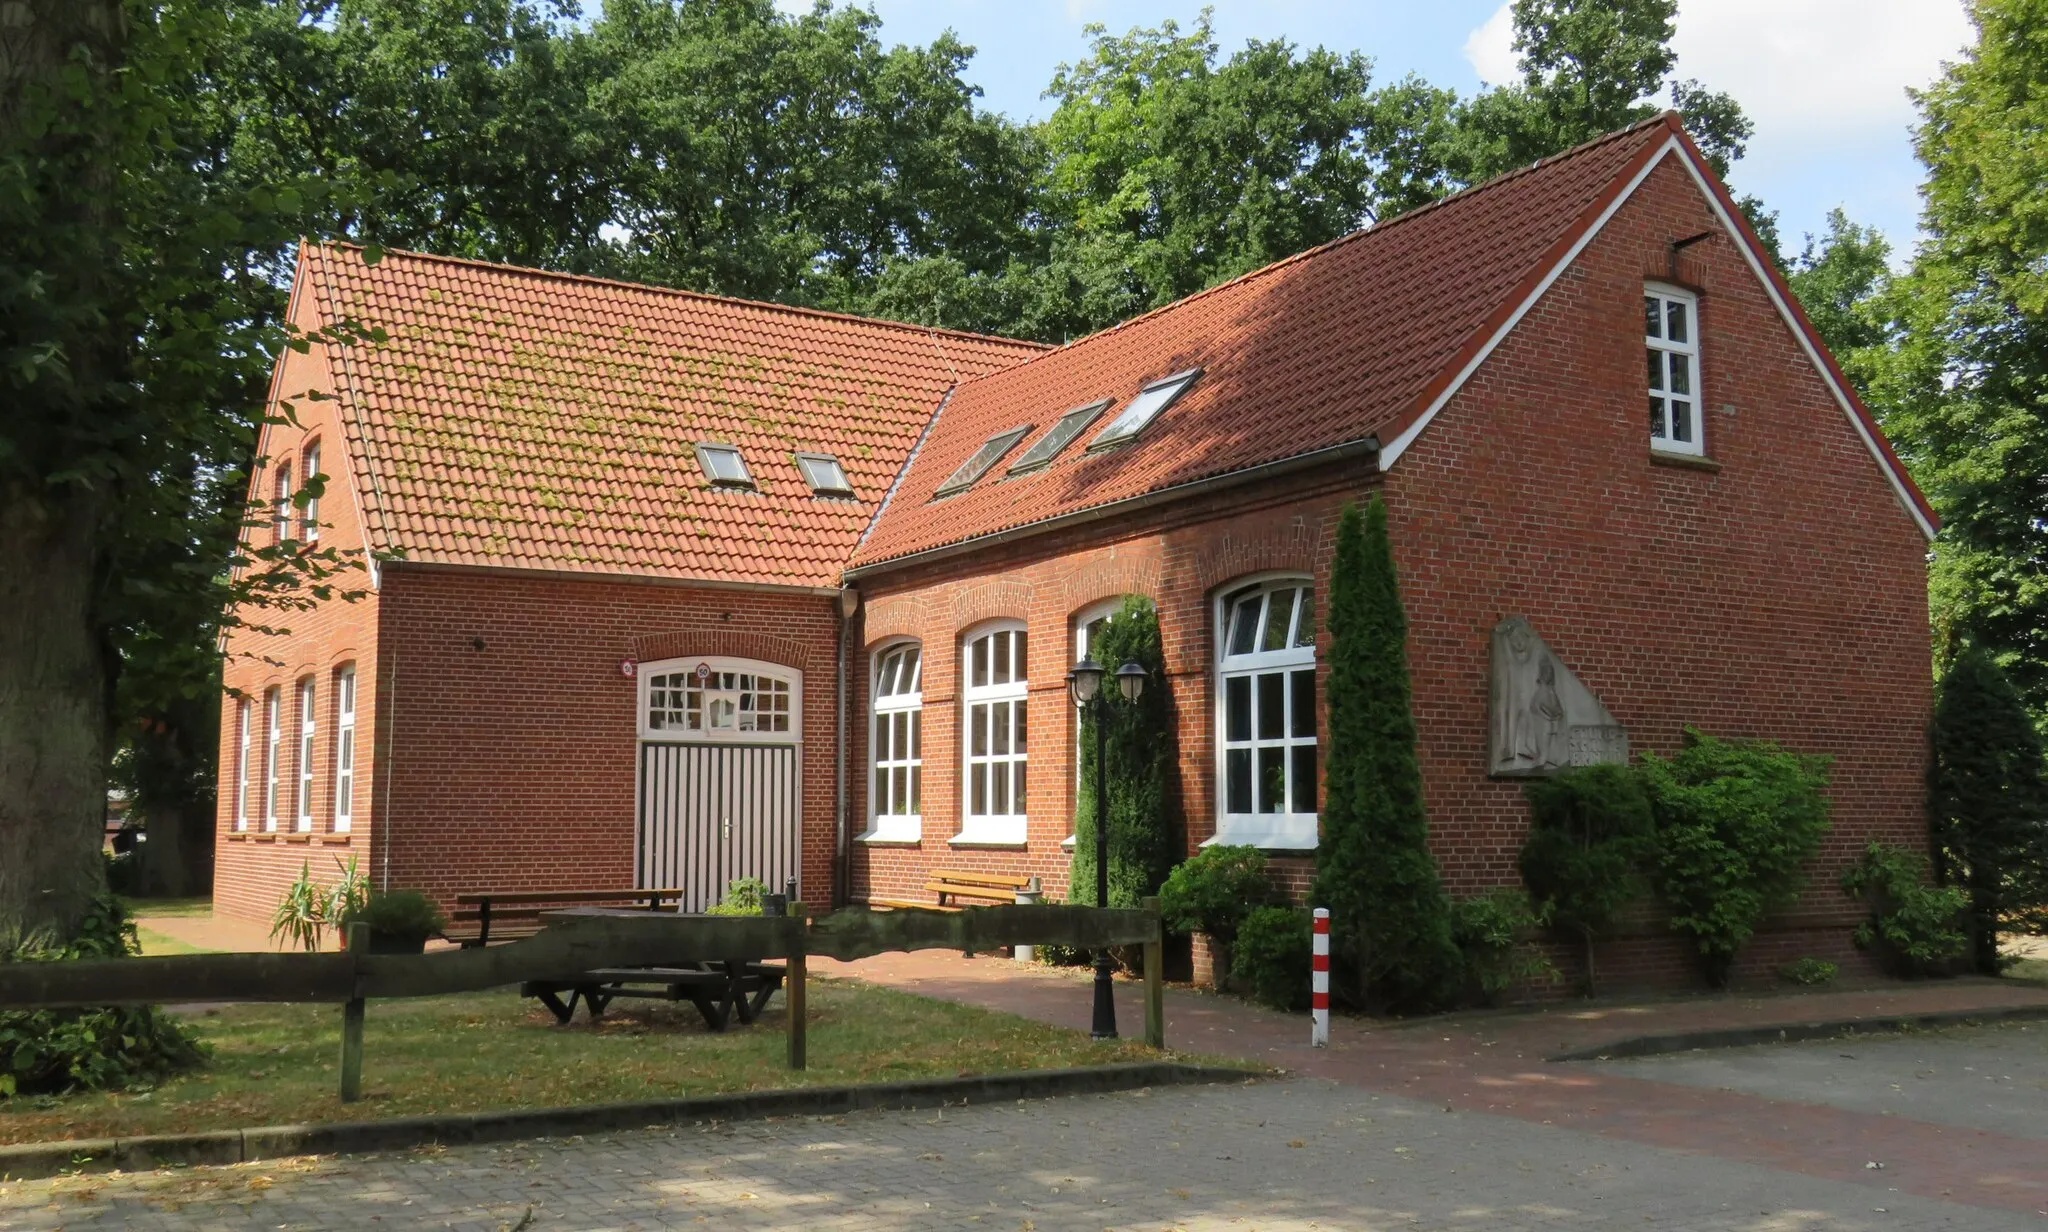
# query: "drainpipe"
[[842, 889]]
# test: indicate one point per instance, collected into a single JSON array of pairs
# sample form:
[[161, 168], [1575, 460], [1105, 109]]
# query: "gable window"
[[724, 466], [1144, 408], [721, 699], [272, 744], [1071, 425], [242, 764], [990, 453], [344, 749], [1266, 728], [281, 515], [823, 472], [896, 747], [309, 517], [994, 701], [1671, 339], [304, 810]]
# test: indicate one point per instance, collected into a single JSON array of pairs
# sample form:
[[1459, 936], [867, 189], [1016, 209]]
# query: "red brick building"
[[672, 588]]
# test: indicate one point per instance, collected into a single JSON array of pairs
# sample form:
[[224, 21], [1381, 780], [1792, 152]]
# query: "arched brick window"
[[896, 746], [1266, 714]]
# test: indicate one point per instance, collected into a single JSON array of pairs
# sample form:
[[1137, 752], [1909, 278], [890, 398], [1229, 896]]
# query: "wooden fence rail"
[[575, 942]]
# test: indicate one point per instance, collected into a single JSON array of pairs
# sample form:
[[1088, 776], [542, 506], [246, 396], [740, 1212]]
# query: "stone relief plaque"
[[1542, 718]]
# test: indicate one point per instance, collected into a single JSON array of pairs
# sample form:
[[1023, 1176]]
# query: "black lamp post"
[[1085, 683]]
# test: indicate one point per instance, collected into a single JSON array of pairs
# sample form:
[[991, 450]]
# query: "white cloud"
[[1810, 68]]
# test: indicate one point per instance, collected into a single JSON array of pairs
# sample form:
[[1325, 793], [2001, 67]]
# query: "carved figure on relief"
[[1543, 718]]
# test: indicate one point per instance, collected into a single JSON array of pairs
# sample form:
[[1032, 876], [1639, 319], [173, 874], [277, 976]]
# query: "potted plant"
[[400, 921]]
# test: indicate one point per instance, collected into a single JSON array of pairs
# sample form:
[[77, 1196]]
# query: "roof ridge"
[[505, 267], [1376, 228]]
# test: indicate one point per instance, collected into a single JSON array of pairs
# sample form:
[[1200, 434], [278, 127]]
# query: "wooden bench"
[[482, 918], [979, 889]]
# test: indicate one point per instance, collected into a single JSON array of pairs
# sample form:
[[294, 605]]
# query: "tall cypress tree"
[[1138, 747], [1390, 920], [1987, 801]]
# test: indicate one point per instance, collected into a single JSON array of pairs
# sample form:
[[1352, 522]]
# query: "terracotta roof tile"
[[536, 420], [1332, 346]]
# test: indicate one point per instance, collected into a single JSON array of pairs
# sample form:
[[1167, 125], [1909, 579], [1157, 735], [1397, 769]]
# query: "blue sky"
[[1824, 80]]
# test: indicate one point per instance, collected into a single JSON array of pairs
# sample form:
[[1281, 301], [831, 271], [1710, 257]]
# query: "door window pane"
[[1279, 618], [1303, 704], [1272, 779], [1237, 708], [1272, 706], [1238, 779], [1303, 780]]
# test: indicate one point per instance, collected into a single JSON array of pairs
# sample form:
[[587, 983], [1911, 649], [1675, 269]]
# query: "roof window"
[[1071, 425], [990, 453], [724, 466], [1143, 409], [823, 472]]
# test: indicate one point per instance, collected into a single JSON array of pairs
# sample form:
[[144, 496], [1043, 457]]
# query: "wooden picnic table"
[[720, 989]]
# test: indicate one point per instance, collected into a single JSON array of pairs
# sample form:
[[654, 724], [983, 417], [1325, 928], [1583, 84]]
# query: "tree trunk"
[[53, 714]]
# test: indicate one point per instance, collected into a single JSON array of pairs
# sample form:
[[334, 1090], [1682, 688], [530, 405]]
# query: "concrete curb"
[[232, 1146], [1743, 1037]]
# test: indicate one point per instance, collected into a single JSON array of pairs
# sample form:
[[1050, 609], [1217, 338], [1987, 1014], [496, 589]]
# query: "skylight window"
[[1143, 409], [724, 466], [990, 453], [1071, 425], [823, 472]]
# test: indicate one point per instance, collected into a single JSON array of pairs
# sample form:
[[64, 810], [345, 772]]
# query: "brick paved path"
[[1304, 1153]]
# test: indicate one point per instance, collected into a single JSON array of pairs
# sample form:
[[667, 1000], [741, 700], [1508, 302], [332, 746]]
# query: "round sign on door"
[[720, 791]]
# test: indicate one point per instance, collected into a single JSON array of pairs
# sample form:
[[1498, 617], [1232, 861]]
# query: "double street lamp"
[[1085, 683]]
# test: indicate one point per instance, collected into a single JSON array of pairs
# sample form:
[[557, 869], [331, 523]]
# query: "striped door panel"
[[711, 813]]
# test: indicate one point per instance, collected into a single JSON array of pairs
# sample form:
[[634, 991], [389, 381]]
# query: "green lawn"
[[185, 907], [2030, 969], [276, 1064], [155, 943]]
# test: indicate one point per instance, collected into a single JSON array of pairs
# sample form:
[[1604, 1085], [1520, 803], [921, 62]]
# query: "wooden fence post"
[[352, 1025], [1155, 978], [793, 992]]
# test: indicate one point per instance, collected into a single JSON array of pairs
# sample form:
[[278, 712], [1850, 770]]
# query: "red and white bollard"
[[1319, 981]]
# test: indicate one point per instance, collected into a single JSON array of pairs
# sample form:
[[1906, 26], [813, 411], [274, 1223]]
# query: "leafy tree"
[[1737, 823], [1589, 833], [1138, 748], [1916, 928], [1988, 802], [1390, 921]]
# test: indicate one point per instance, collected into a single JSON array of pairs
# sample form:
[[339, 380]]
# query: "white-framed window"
[[242, 764], [724, 466], [896, 746], [1266, 714], [721, 699], [344, 749], [304, 803], [981, 461], [273, 744], [1671, 339], [823, 472], [281, 513], [309, 517], [1143, 409], [994, 697]]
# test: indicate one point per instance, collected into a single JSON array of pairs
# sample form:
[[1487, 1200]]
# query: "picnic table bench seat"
[[719, 990], [977, 889], [486, 916]]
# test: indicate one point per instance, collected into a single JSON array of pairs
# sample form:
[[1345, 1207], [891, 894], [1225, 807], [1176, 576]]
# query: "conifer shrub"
[[1915, 928], [1988, 803], [1390, 920], [112, 1047], [1213, 892], [1144, 836], [1272, 960], [1737, 823], [1590, 830]]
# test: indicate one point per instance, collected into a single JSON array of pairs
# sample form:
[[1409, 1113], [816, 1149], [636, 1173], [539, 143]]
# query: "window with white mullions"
[[344, 750], [304, 801], [717, 703], [242, 767], [273, 722], [1671, 342], [995, 699], [896, 744], [1266, 733]]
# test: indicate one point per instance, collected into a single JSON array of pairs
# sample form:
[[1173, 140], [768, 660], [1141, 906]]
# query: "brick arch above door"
[[723, 643]]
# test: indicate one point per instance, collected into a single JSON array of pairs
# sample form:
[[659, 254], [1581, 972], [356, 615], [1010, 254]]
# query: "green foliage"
[[350, 895], [1144, 834], [1737, 822], [1492, 931], [1390, 920], [395, 913], [1212, 892], [48, 1051], [1810, 972], [1272, 956], [1916, 927], [1988, 803], [301, 914], [743, 896], [1589, 833]]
